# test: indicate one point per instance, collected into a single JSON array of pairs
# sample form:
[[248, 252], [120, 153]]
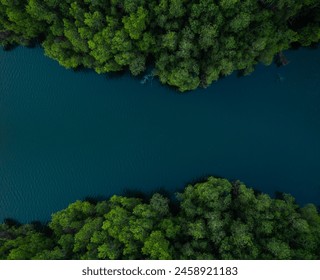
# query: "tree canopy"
[[190, 43], [214, 219]]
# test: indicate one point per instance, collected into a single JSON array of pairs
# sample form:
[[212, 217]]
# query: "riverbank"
[[213, 219]]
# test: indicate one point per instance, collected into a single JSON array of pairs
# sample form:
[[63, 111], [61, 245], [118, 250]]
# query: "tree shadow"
[[42, 228], [11, 222], [117, 75], [10, 47], [95, 199], [136, 193]]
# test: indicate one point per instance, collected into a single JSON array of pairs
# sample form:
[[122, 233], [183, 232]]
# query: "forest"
[[211, 219], [187, 43]]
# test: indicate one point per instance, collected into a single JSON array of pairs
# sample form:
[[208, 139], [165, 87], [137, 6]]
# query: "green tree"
[[157, 247]]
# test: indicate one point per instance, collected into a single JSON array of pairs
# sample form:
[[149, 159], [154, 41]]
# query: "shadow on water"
[[11, 222], [240, 73], [96, 199], [257, 192], [42, 228], [279, 195], [33, 44], [82, 69], [117, 75], [29, 45], [10, 47], [136, 193], [243, 72], [297, 46]]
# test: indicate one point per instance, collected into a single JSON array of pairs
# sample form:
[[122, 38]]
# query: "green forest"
[[187, 43], [212, 219]]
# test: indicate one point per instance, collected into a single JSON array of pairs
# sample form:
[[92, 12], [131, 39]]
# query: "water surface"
[[67, 135]]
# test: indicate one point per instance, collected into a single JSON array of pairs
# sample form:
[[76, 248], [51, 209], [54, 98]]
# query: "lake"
[[65, 135]]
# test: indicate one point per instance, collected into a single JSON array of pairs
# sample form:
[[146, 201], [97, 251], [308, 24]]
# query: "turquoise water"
[[67, 135]]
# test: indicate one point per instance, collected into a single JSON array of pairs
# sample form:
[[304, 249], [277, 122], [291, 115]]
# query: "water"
[[67, 135]]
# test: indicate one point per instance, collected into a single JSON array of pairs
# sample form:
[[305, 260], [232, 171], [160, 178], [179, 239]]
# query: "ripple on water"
[[66, 135]]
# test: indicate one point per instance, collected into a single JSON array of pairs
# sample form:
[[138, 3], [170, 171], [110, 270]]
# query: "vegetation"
[[215, 219], [190, 43]]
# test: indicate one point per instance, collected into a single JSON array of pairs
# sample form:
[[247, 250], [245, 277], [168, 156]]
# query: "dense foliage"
[[215, 219], [190, 43]]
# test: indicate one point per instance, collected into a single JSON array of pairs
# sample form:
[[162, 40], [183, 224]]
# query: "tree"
[[190, 43], [136, 23], [157, 247]]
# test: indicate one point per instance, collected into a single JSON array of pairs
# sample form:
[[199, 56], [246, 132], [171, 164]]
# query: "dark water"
[[66, 135]]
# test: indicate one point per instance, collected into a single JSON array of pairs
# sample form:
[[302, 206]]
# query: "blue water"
[[67, 135]]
